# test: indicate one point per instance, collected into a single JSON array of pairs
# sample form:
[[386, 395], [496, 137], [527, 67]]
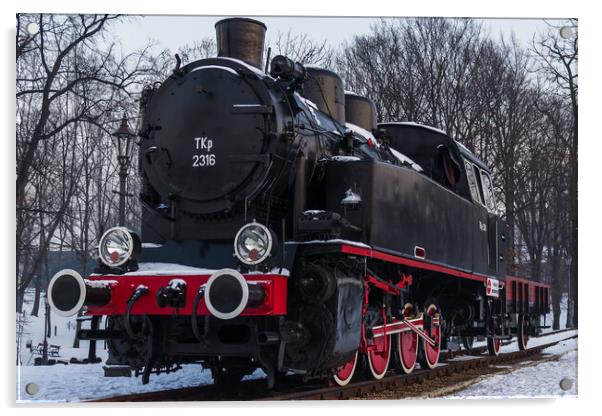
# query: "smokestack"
[[241, 38]]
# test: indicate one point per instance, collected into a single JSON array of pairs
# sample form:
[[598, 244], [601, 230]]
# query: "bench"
[[53, 350], [39, 349]]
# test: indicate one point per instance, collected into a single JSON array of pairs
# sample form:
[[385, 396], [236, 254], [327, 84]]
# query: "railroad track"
[[292, 387]]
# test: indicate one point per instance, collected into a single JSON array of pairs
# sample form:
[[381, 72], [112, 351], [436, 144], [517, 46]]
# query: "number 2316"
[[203, 160]]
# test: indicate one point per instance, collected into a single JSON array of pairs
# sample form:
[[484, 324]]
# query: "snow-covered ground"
[[65, 334], [75, 382], [549, 318], [548, 321], [539, 380], [62, 383]]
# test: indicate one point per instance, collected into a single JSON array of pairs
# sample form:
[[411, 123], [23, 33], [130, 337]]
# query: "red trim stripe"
[[375, 254]]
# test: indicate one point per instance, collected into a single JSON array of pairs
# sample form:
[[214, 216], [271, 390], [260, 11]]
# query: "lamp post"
[[123, 138]]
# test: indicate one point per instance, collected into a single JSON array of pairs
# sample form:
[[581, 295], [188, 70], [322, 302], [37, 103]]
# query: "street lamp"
[[123, 138]]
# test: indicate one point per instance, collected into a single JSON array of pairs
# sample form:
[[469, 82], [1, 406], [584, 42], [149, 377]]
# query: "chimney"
[[241, 38]]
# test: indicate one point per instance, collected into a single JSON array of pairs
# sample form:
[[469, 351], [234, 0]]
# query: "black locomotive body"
[[355, 244]]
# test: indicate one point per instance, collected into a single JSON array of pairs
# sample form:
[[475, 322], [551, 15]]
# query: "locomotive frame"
[[356, 245]]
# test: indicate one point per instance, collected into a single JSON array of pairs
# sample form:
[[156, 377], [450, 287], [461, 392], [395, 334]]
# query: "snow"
[[358, 130], [548, 321], [313, 212], [333, 241], [276, 270], [366, 134], [167, 269], [175, 284], [251, 68], [223, 68], [351, 198], [313, 107], [404, 159], [65, 333], [173, 269], [362, 132], [462, 147], [538, 380], [533, 342], [151, 245], [549, 318], [307, 102], [100, 283], [345, 158], [76, 382], [466, 357], [411, 123]]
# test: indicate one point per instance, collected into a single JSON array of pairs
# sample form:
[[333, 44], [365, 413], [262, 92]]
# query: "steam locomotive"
[[284, 229]]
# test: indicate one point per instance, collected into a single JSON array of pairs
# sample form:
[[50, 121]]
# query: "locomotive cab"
[[451, 165]]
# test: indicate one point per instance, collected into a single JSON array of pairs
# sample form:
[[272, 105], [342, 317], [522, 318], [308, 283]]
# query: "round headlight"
[[253, 243], [117, 246]]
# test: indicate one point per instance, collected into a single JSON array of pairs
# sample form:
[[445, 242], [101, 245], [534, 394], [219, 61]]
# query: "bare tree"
[[205, 48], [557, 58], [444, 73], [301, 48], [68, 75], [557, 119]]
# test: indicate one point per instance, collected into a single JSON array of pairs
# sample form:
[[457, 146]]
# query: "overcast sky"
[[174, 31]]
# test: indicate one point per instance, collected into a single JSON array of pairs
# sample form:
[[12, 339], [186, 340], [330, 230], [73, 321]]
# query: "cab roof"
[[467, 154]]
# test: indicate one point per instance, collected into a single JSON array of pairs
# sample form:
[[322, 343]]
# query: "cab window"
[[472, 182], [488, 192]]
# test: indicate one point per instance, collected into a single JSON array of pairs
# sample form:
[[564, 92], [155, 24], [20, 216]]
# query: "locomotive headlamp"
[[253, 243], [117, 246]]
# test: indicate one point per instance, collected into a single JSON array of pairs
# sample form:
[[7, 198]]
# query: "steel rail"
[[292, 387], [373, 386]]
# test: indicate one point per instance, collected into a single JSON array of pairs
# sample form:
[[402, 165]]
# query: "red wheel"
[[429, 356], [345, 373], [493, 345], [407, 349], [379, 355], [523, 333]]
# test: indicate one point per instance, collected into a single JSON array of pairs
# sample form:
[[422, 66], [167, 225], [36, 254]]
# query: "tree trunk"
[[78, 326], [48, 319], [20, 299], [510, 221], [556, 288], [573, 283], [535, 266], [36, 301]]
